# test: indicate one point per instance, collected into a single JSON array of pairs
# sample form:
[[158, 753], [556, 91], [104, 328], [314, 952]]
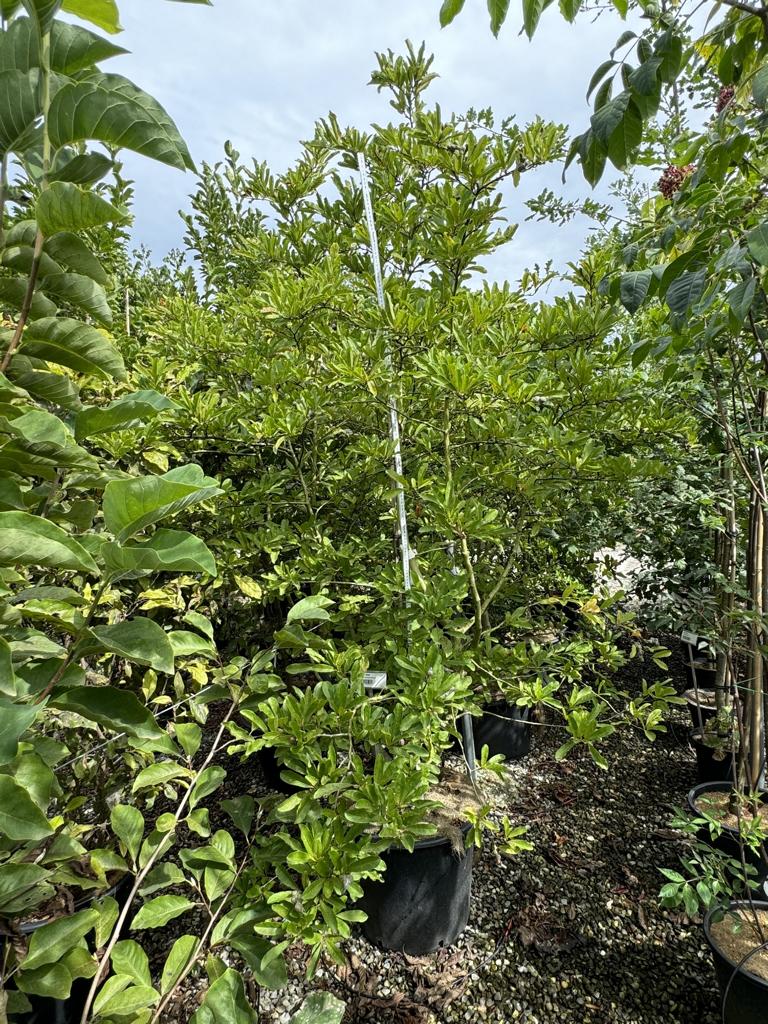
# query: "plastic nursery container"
[[505, 729], [701, 705], [423, 901], [704, 671], [710, 768], [45, 1010], [728, 841], [743, 995]]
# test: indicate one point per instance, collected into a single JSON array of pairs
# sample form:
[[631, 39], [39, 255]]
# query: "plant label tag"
[[375, 680], [689, 638]]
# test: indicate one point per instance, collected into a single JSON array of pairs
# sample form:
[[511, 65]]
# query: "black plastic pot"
[[271, 768], [743, 995], [728, 841], [45, 1010], [505, 728], [423, 901], [700, 712], [705, 673], [710, 768]]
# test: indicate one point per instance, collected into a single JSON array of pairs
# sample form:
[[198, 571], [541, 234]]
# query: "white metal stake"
[[394, 419], [394, 433]]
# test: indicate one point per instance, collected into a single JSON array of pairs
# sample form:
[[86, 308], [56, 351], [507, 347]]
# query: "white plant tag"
[[375, 680]]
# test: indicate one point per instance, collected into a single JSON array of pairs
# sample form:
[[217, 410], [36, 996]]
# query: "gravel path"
[[568, 933]]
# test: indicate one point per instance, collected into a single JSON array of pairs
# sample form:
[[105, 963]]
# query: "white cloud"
[[261, 73]]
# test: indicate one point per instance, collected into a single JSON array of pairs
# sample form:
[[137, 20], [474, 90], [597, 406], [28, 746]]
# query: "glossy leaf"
[[20, 817], [165, 551], [132, 505], [128, 958], [139, 640], [117, 710], [176, 962], [81, 292], [15, 719], [225, 1002], [757, 243], [129, 410], [102, 13], [18, 107], [74, 344], [449, 10], [64, 206], [128, 825], [159, 911]]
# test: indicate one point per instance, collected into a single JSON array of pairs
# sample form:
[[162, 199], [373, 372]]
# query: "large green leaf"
[[31, 540], [626, 137], [498, 11], [128, 825], [42, 11], [15, 719], [52, 942], [127, 411], [81, 292], [177, 960], [20, 818], [165, 551], [225, 1002], [532, 11], [607, 119], [13, 291], [112, 110], [570, 8], [70, 251], [101, 13], [118, 710], [757, 243], [74, 344], [19, 107], [21, 258], [82, 169], [449, 10], [686, 290], [64, 206], [130, 959], [46, 385], [760, 87], [159, 911], [17, 885], [73, 47], [132, 505], [140, 640]]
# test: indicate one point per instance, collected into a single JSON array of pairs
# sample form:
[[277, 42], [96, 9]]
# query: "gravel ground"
[[568, 933]]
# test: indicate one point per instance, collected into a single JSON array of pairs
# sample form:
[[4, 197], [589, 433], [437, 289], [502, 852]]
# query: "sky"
[[260, 73]]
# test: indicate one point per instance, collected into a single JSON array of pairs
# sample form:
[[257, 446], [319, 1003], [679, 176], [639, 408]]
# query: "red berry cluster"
[[673, 178], [724, 97]]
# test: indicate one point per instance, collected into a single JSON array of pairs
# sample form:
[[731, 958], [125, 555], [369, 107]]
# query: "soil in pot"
[[505, 729], [713, 764], [714, 799], [740, 962], [423, 902]]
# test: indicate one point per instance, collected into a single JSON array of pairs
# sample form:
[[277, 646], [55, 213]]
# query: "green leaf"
[[20, 885], [645, 79], [31, 540], [72, 48], [101, 13], [128, 825], [112, 110], [449, 10], [20, 818], [118, 710], [81, 292], [760, 87], [320, 1008], [225, 1002], [53, 941], [52, 981], [741, 297], [13, 291], [43, 11], [129, 958], [120, 1000], [197, 620], [669, 47], [599, 75], [686, 290], [532, 11], [569, 9], [165, 551], [70, 251], [128, 411], [757, 243], [15, 719], [310, 608], [207, 782], [48, 386], [76, 345], [18, 107], [159, 911], [139, 640], [132, 505], [626, 137], [159, 774], [607, 119], [64, 206], [187, 644], [593, 157], [182, 951], [83, 169]]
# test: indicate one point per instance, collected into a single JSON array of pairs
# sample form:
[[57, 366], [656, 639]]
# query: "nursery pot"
[[728, 841], [423, 901], [743, 994], [505, 729], [710, 768], [44, 1009], [704, 671]]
